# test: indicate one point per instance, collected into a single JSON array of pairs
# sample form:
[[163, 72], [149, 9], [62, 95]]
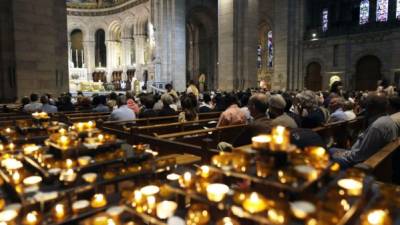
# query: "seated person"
[[277, 113], [232, 115], [382, 130], [349, 110], [47, 107], [206, 104], [336, 108], [122, 113], [166, 110], [189, 108], [34, 105], [100, 104], [148, 104], [307, 107]]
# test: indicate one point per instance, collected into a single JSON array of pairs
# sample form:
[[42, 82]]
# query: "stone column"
[[69, 54], [280, 32], [170, 36], [110, 59], [126, 55], [226, 45], [89, 49], [140, 43]]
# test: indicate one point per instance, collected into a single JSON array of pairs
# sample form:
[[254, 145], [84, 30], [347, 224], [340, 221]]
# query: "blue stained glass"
[[325, 20], [382, 10], [270, 50], [364, 12], [398, 10]]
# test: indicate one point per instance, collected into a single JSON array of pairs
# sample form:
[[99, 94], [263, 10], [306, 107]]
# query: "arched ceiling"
[[93, 3]]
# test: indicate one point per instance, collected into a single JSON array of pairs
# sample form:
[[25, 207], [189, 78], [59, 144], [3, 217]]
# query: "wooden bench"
[[161, 129], [384, 163], [206, 138], [341, 134]]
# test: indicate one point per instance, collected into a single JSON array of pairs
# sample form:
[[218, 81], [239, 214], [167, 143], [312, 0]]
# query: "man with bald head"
[[277, 105], [382, 130]]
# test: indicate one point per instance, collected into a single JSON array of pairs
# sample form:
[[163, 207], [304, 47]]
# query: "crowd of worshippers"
[[260, 109]]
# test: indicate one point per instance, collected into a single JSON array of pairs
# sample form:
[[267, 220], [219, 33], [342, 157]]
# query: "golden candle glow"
[[69, 163], [276, 216], [16, 177], [228, 221], [186, 180], [59, 211], [255, 203], [1, 147], [353, 187], [166, 209], [98, 201], [204, 171], [32, 218], [150, 190], [216, 192], [62, 131], [302, 209], [8, 215], [8, 130], [377, 217], [80, 126], [80, 206], [32, 181], [91, 124], [63, 141], [261, 142], [11, 146], [100, 137]]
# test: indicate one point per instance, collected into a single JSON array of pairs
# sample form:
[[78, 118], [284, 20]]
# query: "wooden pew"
[[206, 138], [384, 163], [160, 129], [341, 134], [122, 125], [166, 147]]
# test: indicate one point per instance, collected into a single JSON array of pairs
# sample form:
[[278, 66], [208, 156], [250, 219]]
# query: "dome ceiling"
[[93, 3]]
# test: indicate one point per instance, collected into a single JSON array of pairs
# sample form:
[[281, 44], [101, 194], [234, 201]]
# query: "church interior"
[[199, 112]]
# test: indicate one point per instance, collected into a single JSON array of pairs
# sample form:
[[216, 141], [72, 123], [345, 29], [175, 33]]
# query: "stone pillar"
[[89, 49], [110, 59], [126, 55], [226, 45], [169, 20], [69, 54], [140, 44], [280, 32]]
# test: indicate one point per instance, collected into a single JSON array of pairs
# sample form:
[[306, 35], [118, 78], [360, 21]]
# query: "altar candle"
[[138, 198], [69, 163], [353, 187], [276, 216], [16, 177], [261, 142], [150, 190], [11, 146], [80, 127], [63, 141], [98, 201], [216, 192], [32, 218], [8, 130], [100, 137], [205, 171], [91, 124], [187, 179], [59, 211], [166, 209], [377, 217], [254, 204], [1, 147], [62, 131]]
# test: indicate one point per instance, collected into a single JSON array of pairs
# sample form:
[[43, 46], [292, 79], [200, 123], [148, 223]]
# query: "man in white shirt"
[[34, 105]]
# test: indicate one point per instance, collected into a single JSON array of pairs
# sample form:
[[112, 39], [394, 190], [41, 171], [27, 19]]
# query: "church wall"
[[349, 50], [40, 46]]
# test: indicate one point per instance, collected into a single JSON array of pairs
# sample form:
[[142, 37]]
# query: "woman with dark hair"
[[336, 88], [189, 108]]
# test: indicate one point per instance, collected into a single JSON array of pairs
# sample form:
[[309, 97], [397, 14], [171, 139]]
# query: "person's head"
[[289, 101], [277, 105], [231, 99], [34, 97], [336, 103], [375, 105], [148, 101], [168, 87], [44, 99], [336, 87], [258, 105], [244, 100], [96, 100], [113, 96], [307, 100], [188, 102], [206, 98], [25, 100], [121, 100], [80, 93], [130, 95], [384, 83], [348, 106], [167, 99], [394, 103]]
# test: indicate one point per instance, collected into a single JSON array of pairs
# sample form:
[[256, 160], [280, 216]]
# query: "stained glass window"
[[259, 57], [364, 12], [270, 50], [398, 10], [325, 20], [382, 10]]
